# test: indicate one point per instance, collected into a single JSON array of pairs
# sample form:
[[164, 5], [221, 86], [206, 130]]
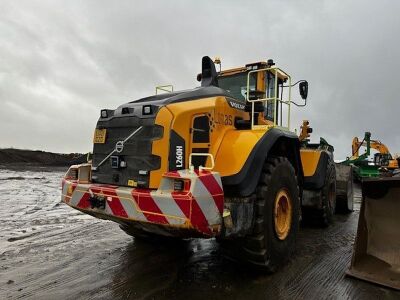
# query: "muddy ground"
[[50, 251]]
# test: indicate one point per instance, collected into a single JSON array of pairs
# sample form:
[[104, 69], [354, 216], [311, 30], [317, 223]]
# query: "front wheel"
[[276, 222]]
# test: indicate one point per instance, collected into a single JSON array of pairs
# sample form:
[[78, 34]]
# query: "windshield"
[[236, 84]]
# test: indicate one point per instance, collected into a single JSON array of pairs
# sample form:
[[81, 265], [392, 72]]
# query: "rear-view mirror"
[[303, 88]]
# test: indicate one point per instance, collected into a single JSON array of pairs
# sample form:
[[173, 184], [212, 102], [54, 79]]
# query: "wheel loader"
[[217, 161]]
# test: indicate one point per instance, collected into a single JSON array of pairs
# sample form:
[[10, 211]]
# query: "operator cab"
[[257, 79], [260, 86]]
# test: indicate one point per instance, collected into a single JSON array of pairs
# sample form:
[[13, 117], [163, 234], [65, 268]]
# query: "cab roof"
[[251, 66]]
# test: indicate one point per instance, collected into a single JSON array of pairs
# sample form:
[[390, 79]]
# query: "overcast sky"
[[63, 61]]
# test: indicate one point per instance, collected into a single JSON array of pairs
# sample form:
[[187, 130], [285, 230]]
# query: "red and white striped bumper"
[[196, 212]]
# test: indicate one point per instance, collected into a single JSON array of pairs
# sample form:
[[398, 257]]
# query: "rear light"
[[104, 113], [178, 185], [147, 110], [117, 162], [181, 185]]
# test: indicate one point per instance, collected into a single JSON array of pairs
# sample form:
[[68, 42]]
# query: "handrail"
[[169, 88], [274, 99], [201, 168]]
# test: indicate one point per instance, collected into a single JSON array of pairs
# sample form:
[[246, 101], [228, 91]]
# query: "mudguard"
[[245, 181], [316, 181]]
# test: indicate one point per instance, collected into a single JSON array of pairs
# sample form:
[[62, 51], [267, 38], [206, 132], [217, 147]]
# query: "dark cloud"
[[61, 62]]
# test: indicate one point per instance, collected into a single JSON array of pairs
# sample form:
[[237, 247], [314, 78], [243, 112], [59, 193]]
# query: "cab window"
[[270, 86], [236, 84]]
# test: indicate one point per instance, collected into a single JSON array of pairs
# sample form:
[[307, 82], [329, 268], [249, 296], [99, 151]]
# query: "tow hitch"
[[97, 201]]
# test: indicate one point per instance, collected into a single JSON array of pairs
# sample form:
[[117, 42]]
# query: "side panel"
[[275, 140], [235, 149], [161, 146], [309, 161], [221, 113], [314, 166]]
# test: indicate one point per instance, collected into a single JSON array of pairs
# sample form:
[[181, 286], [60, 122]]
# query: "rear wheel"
[[276, 217], [324, 216]]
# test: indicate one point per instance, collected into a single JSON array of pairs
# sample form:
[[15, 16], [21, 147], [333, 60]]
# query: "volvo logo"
[[119, 146]]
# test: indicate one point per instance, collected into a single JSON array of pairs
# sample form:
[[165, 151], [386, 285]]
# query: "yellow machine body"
[[310, 159], [222, 132], [230, 147], [205, 162]]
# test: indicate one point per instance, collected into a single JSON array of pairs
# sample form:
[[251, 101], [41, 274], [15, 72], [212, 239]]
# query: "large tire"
[[324, 216], [276, 223]]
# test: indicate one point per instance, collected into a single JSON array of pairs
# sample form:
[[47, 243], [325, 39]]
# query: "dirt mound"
[[12, 156]]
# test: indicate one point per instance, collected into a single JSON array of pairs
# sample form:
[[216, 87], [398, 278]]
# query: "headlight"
[[104, 113], [147, 110]]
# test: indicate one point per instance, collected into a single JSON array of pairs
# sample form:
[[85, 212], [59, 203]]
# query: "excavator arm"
[[368, 143], [380, 147]]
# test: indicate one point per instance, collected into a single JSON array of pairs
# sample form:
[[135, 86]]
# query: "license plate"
[[99, 136]]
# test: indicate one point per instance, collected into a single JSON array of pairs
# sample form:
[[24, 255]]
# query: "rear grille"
[[136, 151]]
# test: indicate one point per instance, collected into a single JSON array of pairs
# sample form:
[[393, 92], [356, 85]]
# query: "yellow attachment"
[[309, 160], [380, 147], [282, 214]]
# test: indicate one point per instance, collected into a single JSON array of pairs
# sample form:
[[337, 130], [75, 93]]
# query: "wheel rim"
[[282, 214]]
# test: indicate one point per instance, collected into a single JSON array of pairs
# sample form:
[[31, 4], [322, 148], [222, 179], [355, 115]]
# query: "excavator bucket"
[[376, 254], [344, 188]]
